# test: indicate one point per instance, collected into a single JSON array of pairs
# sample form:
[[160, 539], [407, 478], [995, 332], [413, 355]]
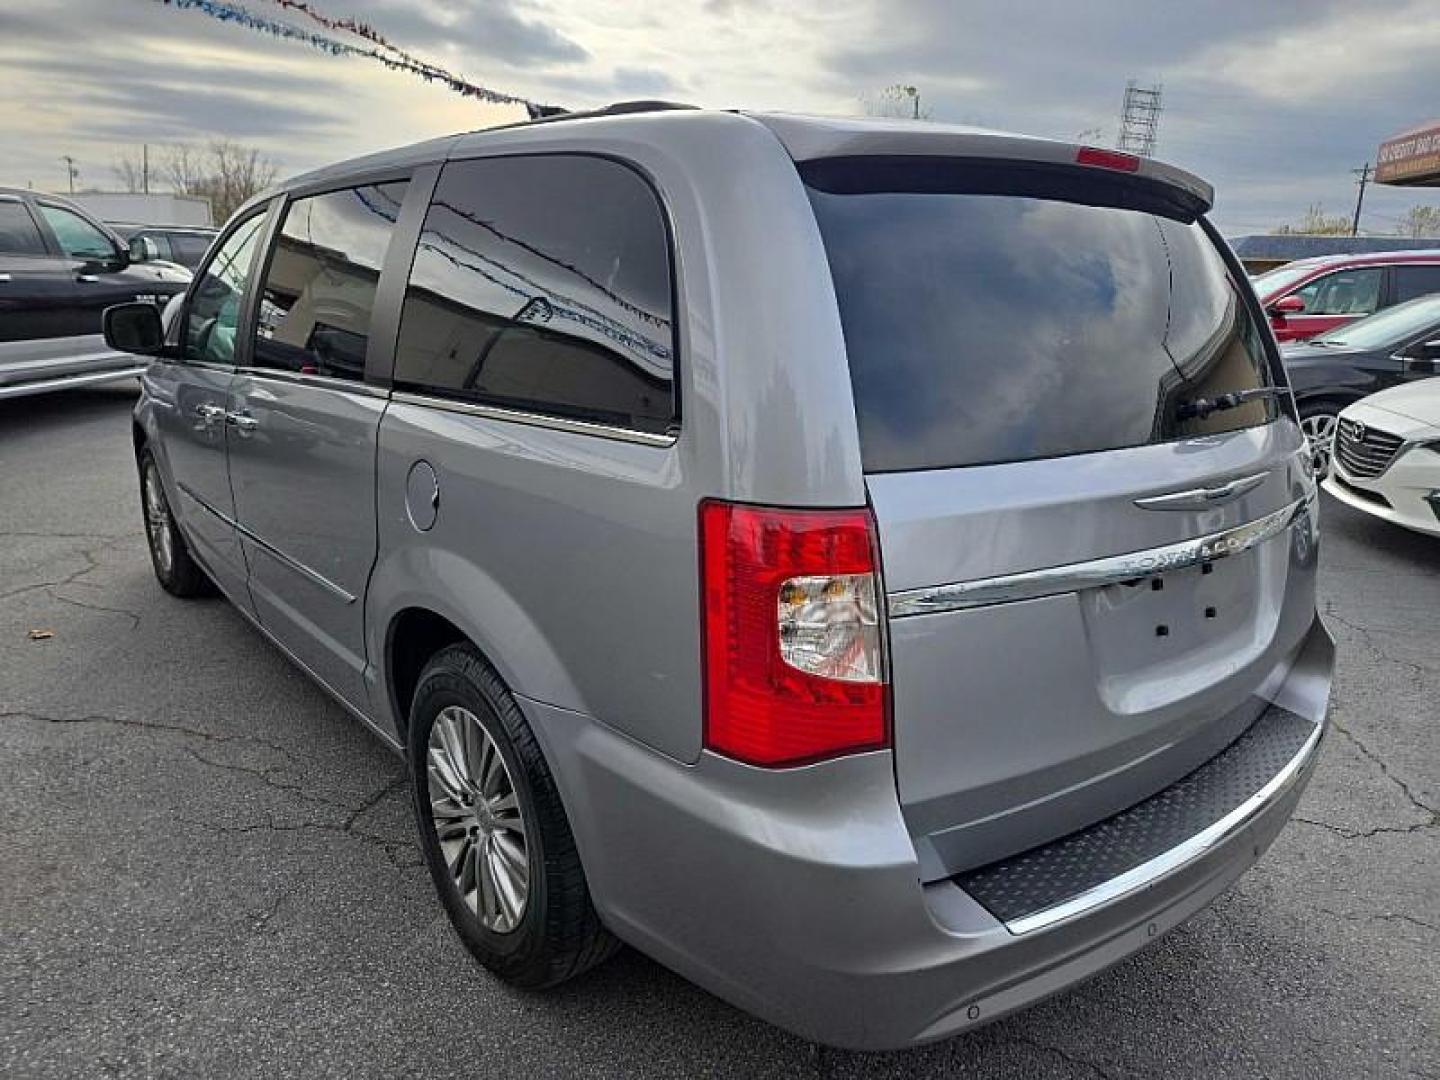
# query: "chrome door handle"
[[242, 422], [86, 277], [209, 414], [4, 278]]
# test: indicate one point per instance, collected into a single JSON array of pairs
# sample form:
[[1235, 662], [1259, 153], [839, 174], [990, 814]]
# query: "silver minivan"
[[868, 566]]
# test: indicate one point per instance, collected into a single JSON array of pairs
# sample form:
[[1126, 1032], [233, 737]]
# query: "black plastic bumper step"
[[1054, 873]]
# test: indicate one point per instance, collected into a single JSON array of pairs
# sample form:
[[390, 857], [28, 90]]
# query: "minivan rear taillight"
[[794, 653]]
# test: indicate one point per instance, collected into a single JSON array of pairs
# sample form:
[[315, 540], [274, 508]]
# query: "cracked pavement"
[[209, 868]]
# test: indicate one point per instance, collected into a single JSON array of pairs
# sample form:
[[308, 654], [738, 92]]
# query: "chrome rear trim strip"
[[1145, 874], [1111, 570]]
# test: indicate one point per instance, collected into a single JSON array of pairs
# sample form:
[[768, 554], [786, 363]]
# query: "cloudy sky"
[[1274, 102]]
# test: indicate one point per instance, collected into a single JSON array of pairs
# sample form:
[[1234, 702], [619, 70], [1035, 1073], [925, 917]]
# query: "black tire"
[[175, 568], [558, 935], [1313, 416]]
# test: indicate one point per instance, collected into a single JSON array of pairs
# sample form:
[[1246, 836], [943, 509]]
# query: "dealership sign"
[[1410, 157]]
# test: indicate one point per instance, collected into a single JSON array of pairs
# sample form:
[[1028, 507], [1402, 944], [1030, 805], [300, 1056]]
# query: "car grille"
[[1364, 451]]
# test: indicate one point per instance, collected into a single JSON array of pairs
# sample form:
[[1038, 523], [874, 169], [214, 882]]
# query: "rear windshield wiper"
[[1200, 408]]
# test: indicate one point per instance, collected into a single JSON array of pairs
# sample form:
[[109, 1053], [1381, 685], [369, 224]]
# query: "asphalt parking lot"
[[209, 869]]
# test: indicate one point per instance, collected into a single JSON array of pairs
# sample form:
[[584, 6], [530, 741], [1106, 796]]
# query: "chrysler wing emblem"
[[1203, 498]]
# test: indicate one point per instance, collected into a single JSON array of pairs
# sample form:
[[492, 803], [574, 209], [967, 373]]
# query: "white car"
[[1386, 458]]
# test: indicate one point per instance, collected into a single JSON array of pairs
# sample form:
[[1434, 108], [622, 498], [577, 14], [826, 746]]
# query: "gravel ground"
[[209, 869]]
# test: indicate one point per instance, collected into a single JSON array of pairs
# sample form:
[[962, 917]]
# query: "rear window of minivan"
[[995, 312]]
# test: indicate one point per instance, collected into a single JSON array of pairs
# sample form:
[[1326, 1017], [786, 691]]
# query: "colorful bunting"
[[393, 57]]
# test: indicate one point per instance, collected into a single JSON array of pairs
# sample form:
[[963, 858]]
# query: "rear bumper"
[[797, 895]]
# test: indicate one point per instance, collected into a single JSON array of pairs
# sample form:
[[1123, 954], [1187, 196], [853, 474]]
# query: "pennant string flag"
[[379, 50]]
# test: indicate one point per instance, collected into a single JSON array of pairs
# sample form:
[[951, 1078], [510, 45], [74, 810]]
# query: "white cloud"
[[1358, 50]]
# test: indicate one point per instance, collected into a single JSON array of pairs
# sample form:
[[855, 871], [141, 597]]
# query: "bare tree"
[[1420, 221], [225, 172], [1317, 223], [182, 169], [236, 173], [898, 101], [129, 169]]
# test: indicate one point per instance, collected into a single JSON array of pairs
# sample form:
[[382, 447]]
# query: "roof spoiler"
[[810, 139]]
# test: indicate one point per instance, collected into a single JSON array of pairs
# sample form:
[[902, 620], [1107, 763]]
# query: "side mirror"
[[1287, 305], [143, 250], [134, 328]]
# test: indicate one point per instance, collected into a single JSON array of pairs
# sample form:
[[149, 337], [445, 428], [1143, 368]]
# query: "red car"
[[1311, 296]]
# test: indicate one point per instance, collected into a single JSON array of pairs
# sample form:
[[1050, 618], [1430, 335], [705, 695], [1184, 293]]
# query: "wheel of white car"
[[1318, 422]]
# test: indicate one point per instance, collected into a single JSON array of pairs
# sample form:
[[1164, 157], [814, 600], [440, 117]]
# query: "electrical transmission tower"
[[1139, 119]]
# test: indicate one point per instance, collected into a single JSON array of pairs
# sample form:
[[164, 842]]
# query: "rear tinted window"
[[542, 284], [19, 235], [1413, 281], [189, 249], [993, 318]]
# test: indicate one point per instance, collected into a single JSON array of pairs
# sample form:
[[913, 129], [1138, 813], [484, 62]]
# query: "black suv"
[[59, 269]]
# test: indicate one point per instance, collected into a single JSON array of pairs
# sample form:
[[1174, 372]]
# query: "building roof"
[[1288, 247]]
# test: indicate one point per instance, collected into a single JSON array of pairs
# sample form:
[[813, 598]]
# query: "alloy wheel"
[[1319, 440], [476, 814], [157, 520]]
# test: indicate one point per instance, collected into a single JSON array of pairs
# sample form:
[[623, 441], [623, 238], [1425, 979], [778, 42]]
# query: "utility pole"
[[1364, 174], [145, 167], [70, 170], [914, 93]]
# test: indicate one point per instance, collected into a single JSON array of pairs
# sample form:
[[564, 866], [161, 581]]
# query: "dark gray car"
[[180, 244], [868, 566]]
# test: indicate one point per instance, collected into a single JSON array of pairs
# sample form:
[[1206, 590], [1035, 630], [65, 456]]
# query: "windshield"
[[1389, 328], [994, 315], [1274, 282]]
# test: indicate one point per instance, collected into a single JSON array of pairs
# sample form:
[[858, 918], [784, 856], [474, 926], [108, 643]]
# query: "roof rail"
[[549, 114]]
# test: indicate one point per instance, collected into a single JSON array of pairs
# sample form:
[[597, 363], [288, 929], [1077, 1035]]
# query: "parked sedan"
[[1387, 456], [1329, 372], [59, 270]]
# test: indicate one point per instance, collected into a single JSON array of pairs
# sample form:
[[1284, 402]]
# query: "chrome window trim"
[[1142, 876], [554, 423], [1094, 573], [324, 382]]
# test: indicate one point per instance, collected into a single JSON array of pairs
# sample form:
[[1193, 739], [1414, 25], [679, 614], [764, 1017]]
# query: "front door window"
[[214, 310], [1345, 292], [78, 238]]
